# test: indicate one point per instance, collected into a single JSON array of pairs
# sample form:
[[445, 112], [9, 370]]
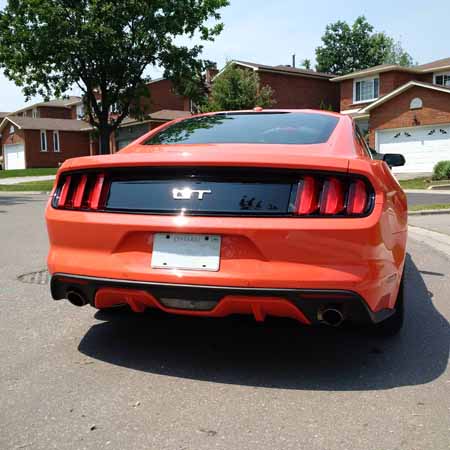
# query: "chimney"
[[293, 60]]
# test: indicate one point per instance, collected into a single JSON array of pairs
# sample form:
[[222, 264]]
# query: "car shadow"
[[279, 353]]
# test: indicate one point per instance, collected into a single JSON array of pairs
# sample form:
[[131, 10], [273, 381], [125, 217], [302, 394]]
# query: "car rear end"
[[214, 230]]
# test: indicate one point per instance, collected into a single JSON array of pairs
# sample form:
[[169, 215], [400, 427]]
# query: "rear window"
[[249, 128]]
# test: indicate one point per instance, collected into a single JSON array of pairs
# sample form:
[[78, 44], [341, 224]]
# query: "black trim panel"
[[352, 305]]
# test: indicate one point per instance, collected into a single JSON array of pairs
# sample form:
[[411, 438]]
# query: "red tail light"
[[82, 192], [319, 196], [357, 197], [64, 193], [332, 199], [307, 196]]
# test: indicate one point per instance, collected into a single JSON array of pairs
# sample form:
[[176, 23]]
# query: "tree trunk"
[[104, 137]]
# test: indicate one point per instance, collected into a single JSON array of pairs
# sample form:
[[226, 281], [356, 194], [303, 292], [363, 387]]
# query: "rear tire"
[[393, 324]]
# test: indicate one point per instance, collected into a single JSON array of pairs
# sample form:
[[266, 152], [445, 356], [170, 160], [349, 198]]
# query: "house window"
[[56, 147], [35, 113], [443, 79], [43, 141], [80, 111], [416, 103], [11, 129], [366, 90]]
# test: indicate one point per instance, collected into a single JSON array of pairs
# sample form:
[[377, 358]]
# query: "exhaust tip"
[[332, 317], [76, 298]]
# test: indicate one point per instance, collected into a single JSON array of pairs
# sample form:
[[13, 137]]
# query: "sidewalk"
[[8, 181], [438, 223]]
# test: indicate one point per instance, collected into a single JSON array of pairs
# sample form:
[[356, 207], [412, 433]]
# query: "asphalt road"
[[427, 198], [75, 379]]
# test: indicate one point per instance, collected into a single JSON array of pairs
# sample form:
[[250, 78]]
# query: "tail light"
[[322, 196], [81, 192]]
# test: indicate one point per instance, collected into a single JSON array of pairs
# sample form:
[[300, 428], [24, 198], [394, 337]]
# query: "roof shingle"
[[30, 123]]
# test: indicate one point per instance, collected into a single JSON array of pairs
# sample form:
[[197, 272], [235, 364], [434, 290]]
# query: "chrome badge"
[[187, 193]]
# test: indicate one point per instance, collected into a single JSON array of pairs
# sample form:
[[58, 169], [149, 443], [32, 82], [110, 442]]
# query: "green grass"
[[28, 186], [421, 183], [430, 207], [27, 172]]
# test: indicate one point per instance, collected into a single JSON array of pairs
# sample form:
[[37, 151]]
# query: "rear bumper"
[[362, 255], [303, 305]]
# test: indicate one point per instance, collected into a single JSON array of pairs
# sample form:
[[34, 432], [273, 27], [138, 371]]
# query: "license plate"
[[186, 251]]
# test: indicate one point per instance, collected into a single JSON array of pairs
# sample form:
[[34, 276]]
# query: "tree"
[[306, 63], [104, 47], [348, 48], [237, 89]]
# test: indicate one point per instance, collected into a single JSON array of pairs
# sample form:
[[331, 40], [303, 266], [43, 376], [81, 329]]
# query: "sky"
[[269, 32]]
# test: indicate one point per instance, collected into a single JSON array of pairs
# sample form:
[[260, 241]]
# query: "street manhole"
[[40, 277]]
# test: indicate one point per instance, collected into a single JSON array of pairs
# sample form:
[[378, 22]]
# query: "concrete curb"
[[427, 191], [16, 193], [428, 212]]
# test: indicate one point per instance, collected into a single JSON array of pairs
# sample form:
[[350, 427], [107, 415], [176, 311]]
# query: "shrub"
[[441, 170]]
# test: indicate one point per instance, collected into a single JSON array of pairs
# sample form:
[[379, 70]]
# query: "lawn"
[[41, 186], [429, 207], [421, 183], [27, 172]]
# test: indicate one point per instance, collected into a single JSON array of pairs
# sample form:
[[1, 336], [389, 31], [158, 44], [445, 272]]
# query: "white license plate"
[[186, 251]]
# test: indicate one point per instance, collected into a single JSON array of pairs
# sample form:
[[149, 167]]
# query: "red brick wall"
[[396, 113], [54, 113], [7, 138], [293, 91], [72, 145], [16, 138], [163, 96], [389, 81]]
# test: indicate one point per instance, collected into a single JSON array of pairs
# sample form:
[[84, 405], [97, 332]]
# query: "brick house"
[[402, 110], [163, 105], [47, 133], [44, 134], [295, 88], [39, 142]]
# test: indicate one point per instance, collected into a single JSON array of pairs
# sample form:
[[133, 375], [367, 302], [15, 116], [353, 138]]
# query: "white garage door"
[[14, 156], [422, 147]]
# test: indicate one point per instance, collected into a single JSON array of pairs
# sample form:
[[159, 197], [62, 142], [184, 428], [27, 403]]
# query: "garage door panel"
[[422, 147], [14, 155]]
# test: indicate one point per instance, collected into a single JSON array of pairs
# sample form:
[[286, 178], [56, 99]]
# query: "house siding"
[[298, 92], [396, 113]]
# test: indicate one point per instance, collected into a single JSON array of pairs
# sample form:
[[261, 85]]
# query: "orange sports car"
[[282, 213]]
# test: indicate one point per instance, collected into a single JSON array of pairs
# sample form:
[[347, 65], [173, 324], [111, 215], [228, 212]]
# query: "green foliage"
[[104, 47], [325, 106], [441, 171], [237, 89], [306, 64], [348, 48]]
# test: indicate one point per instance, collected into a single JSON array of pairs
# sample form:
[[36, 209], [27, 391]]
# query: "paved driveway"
[[76, 379]]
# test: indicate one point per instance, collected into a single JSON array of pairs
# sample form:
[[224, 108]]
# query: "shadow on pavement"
[[278, 354], [11, 200]]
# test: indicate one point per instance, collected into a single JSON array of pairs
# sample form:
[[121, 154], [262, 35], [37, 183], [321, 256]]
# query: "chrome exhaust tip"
[[76, 298], [332, 317]]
